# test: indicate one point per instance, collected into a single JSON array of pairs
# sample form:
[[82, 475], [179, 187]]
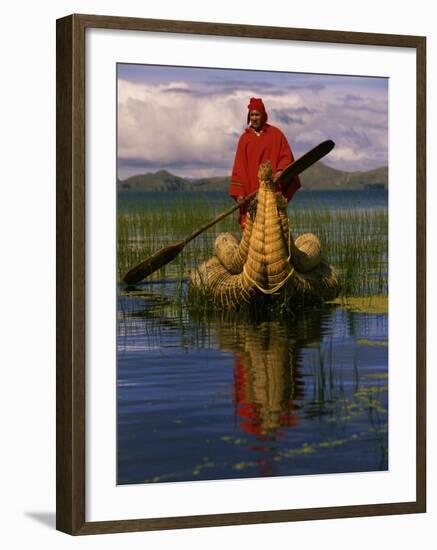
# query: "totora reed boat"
[[267, 261]]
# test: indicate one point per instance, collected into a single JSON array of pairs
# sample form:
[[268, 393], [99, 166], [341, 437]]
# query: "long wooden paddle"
[[166, 254]]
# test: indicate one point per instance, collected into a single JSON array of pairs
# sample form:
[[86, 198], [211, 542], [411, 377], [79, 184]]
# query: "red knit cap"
[[256, 104]]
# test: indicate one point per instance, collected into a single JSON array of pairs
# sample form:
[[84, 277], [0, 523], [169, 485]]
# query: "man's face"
[[256, 120]]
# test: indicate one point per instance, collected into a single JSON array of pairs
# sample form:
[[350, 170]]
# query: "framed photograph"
[[240, 274]]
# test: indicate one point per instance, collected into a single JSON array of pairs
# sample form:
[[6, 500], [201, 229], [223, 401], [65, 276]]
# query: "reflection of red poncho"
[[254, 150]]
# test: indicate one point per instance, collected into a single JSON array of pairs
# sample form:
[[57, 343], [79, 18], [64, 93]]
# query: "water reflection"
[[220, 396], [267, 381]]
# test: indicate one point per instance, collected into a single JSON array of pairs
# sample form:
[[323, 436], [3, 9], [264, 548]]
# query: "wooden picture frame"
[[71, 263]]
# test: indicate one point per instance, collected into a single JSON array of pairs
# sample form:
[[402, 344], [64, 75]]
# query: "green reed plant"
[[354, 241]]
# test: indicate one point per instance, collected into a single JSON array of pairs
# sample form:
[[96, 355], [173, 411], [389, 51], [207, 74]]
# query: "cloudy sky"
[[188, 120]]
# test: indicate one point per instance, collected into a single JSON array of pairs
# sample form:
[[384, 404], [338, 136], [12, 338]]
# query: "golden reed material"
[[267, 260]]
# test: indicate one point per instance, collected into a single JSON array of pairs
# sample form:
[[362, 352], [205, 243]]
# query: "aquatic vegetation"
[[354, 240], [363, 304]]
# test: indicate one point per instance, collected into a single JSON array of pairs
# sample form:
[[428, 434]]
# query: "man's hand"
[[277, 174]]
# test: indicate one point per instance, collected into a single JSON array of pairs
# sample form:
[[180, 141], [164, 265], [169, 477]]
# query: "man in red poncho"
[[258, 143]]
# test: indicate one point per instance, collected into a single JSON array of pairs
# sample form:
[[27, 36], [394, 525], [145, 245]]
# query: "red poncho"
[[253, 150]]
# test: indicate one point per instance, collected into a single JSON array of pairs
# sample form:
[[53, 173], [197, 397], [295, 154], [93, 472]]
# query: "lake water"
[[220, 397], [367, 198]]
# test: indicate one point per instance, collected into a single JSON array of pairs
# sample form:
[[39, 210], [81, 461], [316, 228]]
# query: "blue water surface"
[[234, 399], [226, 397]]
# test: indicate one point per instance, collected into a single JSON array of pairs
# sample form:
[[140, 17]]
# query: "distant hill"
[[158, 181], [317, 177], [322, 177]]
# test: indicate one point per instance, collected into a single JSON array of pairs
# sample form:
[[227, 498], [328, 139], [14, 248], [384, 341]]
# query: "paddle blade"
[[304, 162], [153, 263]]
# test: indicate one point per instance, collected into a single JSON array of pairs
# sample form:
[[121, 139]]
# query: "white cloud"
[[186, 126], [160, 125]]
